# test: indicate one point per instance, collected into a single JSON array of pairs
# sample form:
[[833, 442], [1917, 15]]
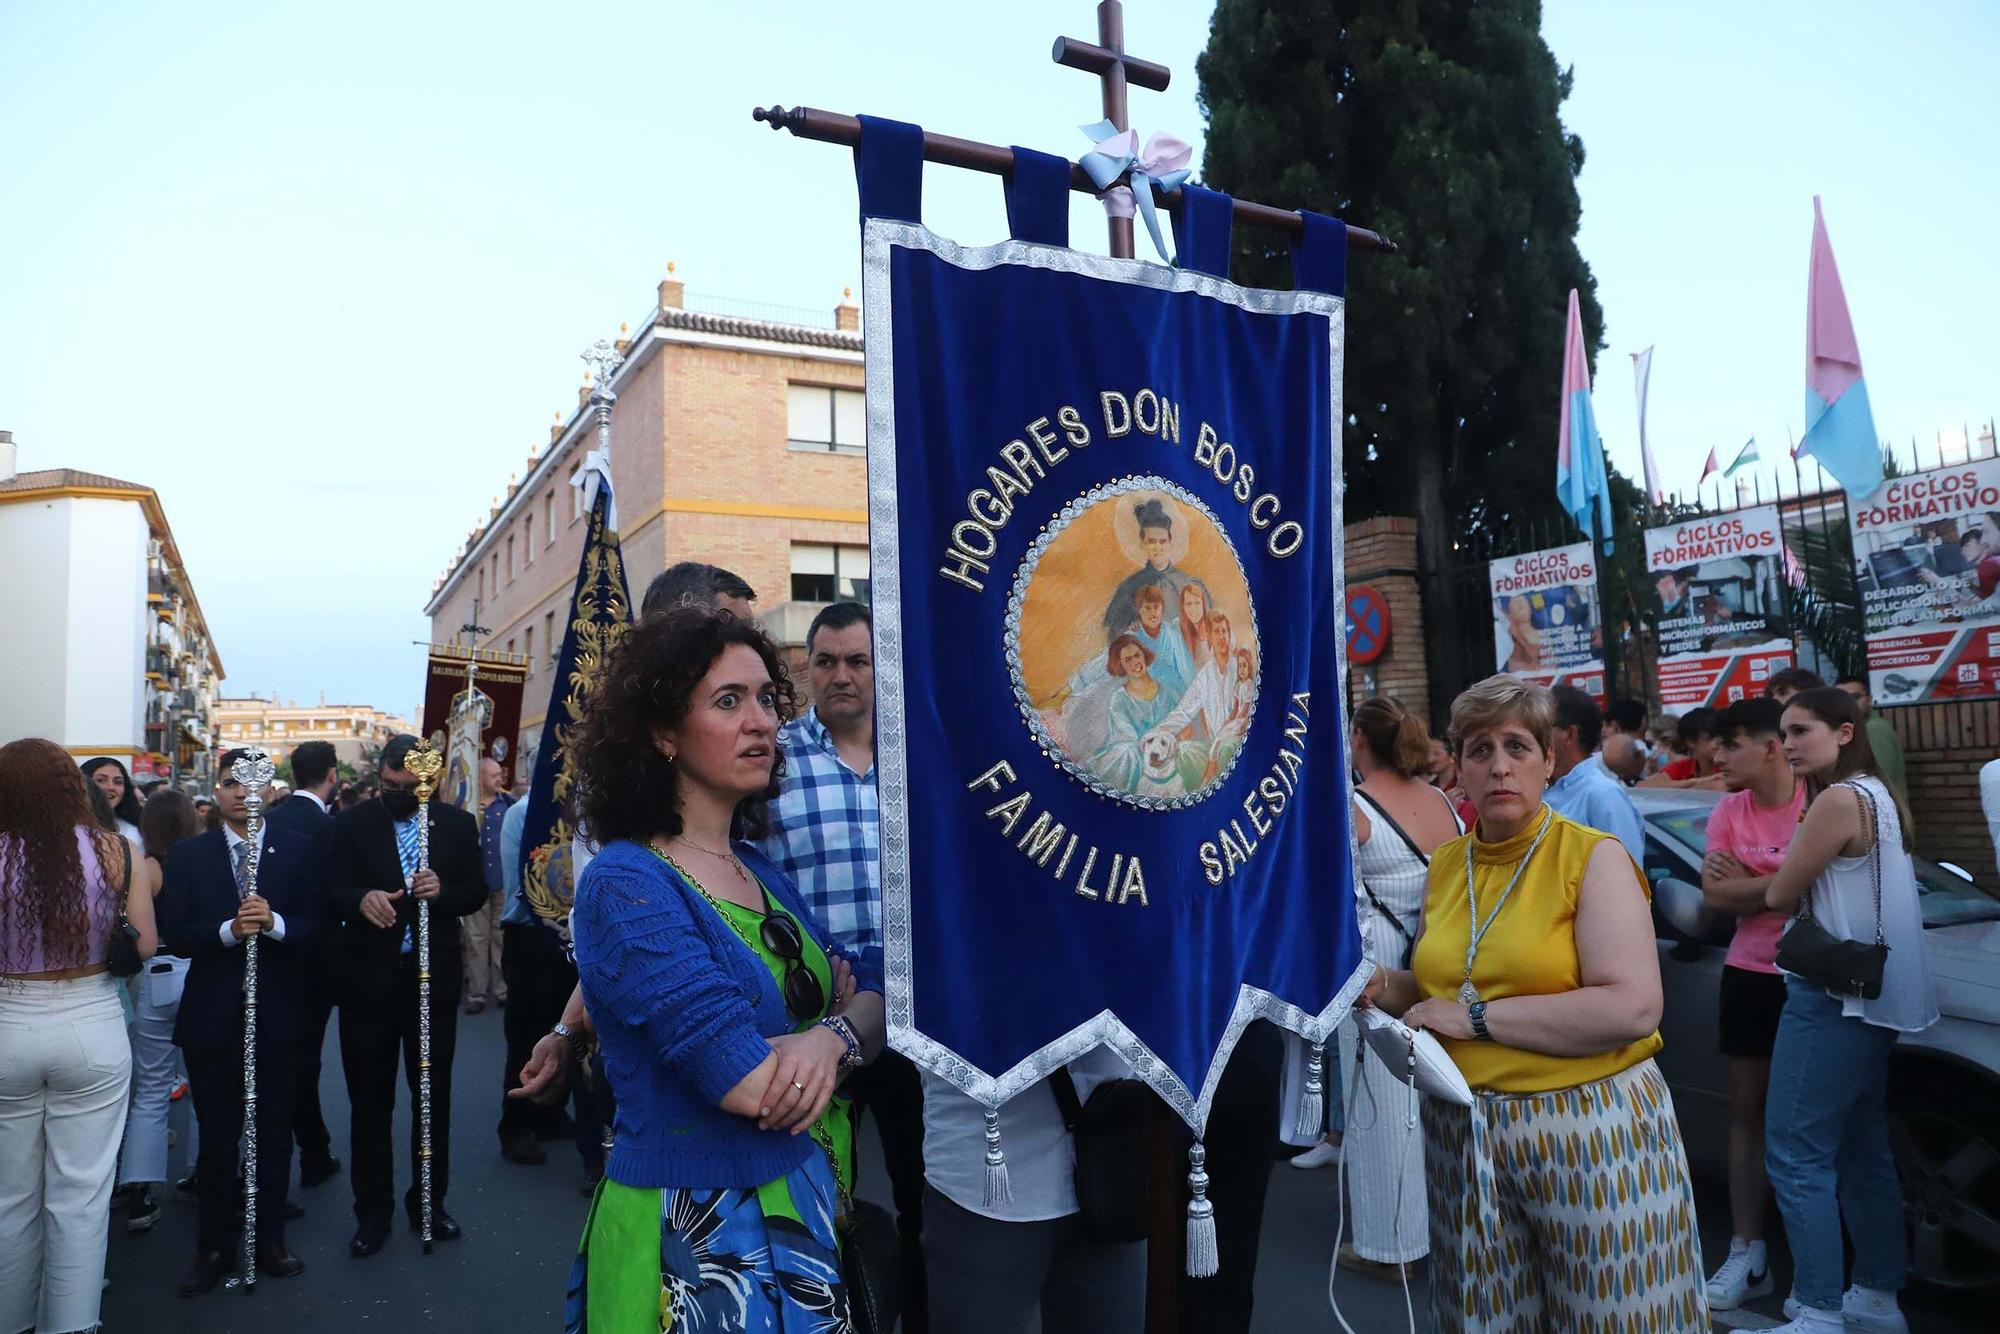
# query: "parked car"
[[1944, 1083]]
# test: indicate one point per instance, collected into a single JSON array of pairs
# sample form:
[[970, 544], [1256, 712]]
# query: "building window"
[[479, 585], [510, 560], [549, 516], [826, 419], [493, 580], [529, 647], [823, 573], [575, 497], [549, 637], [527, 541]]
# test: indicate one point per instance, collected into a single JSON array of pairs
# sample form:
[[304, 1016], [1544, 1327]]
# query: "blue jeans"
[[1826, 1131]]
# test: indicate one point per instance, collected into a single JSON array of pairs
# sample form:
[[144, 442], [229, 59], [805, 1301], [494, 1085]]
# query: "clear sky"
[[319, 274]]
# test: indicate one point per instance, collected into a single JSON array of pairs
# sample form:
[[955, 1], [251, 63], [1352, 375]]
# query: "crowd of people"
[[719, 1034]]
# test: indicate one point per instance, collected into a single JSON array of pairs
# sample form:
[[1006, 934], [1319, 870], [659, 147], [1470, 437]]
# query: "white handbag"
[[1413, 1056]]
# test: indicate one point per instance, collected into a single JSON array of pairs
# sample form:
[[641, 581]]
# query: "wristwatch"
[[1476, 1012], [577, 1046]]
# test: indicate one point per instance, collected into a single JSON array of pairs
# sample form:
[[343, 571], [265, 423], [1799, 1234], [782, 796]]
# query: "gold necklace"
[[735, 862]]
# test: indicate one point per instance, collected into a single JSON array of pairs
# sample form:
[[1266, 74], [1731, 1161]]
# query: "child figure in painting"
[[1246, 690]]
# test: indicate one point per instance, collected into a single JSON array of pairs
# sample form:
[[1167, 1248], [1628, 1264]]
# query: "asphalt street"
[[521, 1224]]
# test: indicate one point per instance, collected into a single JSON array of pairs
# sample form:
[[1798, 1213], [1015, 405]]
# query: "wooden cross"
[[1114, 70]]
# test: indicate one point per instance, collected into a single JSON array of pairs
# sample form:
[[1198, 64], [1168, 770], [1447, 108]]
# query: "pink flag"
[[1710, 468], [1833, 357]]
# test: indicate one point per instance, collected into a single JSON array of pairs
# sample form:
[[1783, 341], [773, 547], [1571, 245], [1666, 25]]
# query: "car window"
[[1947, 900]]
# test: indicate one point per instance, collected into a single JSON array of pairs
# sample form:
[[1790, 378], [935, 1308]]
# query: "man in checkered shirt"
[[826, 839]]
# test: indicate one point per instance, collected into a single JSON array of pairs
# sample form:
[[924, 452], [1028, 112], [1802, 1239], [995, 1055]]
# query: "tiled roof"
[[768, 330], [47, 478]]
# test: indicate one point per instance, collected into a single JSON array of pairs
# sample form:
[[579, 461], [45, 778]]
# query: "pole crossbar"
[[831, 127]]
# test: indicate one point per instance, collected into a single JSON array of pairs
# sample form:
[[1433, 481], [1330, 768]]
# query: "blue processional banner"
[[1105, 510]]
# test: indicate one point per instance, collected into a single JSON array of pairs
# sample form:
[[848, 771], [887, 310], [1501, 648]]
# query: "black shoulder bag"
[[1409, 937], [1108, 1132], [121, 958], [1843, 967]]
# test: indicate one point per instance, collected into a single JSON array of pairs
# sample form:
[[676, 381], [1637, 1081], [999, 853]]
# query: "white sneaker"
[[1868, 1311], [1321, 1154], [1736, 1283], [1862, 1311], [1810, 1320]]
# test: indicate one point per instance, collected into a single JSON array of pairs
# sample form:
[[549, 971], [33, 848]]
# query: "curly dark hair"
[[129, 805], [44, 889], [625, 787]]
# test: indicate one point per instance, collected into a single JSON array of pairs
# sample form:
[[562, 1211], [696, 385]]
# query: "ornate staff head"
[[254, 770], [426, 764]]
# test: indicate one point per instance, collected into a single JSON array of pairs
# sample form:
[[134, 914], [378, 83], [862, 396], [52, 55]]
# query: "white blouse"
[[1843, 901]]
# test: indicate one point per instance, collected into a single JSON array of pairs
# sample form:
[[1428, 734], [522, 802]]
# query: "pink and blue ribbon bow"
[[1127, 175]]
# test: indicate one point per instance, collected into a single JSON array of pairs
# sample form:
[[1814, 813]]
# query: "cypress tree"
[[1436, 123]]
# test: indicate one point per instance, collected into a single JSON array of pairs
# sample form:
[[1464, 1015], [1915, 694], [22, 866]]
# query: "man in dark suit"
[[375, 883], [315, 768], [205, 916]]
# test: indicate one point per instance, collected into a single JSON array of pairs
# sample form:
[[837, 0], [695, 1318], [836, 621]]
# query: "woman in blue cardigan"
[[725, 1017]]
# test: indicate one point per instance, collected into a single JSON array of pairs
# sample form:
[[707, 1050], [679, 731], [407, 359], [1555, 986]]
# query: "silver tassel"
[[1203, 1257], [1312, 1107], [998, 1189]]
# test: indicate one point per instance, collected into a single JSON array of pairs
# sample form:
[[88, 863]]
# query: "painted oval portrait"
[[1133, 644]]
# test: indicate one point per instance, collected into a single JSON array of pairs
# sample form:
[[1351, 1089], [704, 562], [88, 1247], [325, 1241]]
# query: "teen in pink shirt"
[[1748, 834]]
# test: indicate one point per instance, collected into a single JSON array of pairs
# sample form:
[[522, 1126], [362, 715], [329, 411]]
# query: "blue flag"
[[599, 611], [1106, 549]]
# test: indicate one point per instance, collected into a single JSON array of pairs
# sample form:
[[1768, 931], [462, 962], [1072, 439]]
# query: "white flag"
[[1642, 370]]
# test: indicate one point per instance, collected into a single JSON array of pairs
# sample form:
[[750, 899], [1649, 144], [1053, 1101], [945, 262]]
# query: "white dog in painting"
[[1162, 778]]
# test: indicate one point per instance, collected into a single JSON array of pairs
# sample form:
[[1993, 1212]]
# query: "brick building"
[[736, 439], [357, 731]]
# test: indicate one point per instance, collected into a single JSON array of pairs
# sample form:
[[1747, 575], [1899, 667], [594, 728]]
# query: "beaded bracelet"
[[843, 1030]]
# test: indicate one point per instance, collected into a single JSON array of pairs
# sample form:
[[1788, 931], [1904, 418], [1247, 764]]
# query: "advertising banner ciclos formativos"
[[1723, 628], [1547, 626], [1927, 565]]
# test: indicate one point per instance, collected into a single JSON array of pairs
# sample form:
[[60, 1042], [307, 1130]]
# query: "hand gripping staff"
[[254, 771], [425, 763]]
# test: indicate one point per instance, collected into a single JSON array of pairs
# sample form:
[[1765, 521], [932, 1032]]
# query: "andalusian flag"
[[1840, 427], [1747, 456]]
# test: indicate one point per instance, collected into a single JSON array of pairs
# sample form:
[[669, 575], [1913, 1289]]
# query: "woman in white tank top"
[[1826, 1122], [1399, 820]]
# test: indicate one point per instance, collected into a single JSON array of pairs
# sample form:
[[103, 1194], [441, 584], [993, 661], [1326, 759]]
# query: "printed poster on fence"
[[1105, 519], [1547, 627], [1723, 628], [1927, 565]]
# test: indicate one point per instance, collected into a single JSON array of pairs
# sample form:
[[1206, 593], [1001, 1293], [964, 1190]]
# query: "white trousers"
[[65, 1067], [156, 1068]]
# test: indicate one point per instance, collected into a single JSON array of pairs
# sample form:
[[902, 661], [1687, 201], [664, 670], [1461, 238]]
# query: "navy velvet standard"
[[1004, 958]]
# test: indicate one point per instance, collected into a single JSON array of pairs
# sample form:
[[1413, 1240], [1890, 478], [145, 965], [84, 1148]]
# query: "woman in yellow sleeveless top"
[[1561, 1201]]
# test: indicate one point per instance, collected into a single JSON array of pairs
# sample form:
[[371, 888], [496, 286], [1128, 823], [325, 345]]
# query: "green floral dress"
[[724, 1261]]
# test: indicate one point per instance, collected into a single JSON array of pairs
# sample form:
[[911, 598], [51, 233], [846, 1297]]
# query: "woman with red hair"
[[65, 1062]]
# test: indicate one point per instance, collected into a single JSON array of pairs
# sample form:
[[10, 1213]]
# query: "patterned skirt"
[[1569, 1212], [712, 1261]]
